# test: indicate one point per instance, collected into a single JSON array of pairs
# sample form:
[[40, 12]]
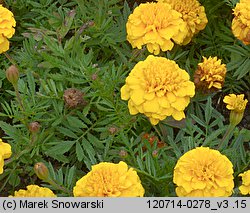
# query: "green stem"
[[56, 185], [224, 140], [11, 59], [18, 97]]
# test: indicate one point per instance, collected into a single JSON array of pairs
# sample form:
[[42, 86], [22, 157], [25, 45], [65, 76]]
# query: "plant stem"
[[11, 59], [18, 97], [56, 185], [223, 141]]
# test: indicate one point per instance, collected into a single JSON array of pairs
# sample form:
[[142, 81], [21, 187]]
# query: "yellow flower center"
[[205, 173], [107, 185], [160, 80]]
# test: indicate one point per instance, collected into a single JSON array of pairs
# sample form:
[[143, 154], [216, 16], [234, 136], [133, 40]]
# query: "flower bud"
[[12, 74], [34, 127], [155, 153], [235, 117], [123, 154], [112, 130], [73, 98], [94, 76], [41, 171]]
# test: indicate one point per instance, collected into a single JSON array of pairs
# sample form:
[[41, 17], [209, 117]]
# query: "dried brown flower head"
[[73, 98]]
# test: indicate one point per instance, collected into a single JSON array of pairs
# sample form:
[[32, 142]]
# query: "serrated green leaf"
[[70, 177], [198, 120], [79, 152], [76, 122], [96, 142], [212, 136], [208, 110], [61, 147], [67, 132]]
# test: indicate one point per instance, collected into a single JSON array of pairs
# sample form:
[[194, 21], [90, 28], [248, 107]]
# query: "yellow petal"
[[164, 102], [151, 106], [125, 92], [149, 96], [137, 96], [171, 97], [178, 115], [153, 121], [181, 103], [132, 108]]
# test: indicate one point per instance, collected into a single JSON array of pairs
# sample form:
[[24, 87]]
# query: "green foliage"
[[81, 44]]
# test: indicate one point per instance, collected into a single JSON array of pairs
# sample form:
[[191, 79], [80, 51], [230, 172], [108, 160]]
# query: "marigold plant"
[[34, 191], [7, 30], [158, 87], [241, 21], [203, 172], [245, 187], [193, 13], [156, 25], [5, 152], [109, 180], [210, 74]]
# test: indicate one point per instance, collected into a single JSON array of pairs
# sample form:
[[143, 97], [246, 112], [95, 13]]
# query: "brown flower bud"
[[123, 154], [73, 98], [41, 171], [113, 130], [12, 74], [94, 76], [34, 127]]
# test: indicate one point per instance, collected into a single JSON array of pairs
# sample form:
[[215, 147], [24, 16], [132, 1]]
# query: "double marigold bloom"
[[156, 25], [245, 187], [5, 152], [158, 87], [109, 180], [193, 14], [210, 74], [160, 25], [34, 191], [203, 172], [237, 105], [241, 21], [7, 24]]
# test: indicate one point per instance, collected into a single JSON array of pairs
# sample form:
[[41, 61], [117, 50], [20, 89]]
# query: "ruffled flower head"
[[156, 25], [109, 180], [158, 87], [5, 152], [203, 172], [193, 14], [210, 74], [241, 21], [34, 191], [237, 105], [7, 24], [245, 187], [235, 102]]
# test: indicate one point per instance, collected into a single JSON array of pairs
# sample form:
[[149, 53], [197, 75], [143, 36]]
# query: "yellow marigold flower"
[[7, 24], [237, 105], [5, 152], [109, 180], [241, 21], [34, 191], [158, 87], [203, 172], [245, 187], [235, 102], [192, 13], [210, 74], [156, 25]]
